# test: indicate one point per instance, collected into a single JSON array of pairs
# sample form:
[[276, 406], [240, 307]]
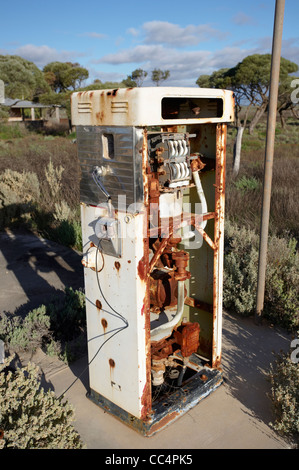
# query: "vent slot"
[[119, 106], [84, 107]]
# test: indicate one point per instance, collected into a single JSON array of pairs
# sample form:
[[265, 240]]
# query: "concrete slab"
[[236, 416]]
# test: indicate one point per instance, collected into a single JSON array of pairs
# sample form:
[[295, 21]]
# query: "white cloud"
[[185, 66], [42, 55], [163, 32], [105, 76], [242, 19], [133, 31], [289, 48], [94, 35]]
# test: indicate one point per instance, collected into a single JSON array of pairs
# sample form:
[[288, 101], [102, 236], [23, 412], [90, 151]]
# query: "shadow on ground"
[[248, 351], [34, 271]]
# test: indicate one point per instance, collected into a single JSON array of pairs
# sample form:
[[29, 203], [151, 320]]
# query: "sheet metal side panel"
[[121, 177], [117, 371]]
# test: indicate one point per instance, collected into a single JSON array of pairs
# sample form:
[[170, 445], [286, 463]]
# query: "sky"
[[111, 40]]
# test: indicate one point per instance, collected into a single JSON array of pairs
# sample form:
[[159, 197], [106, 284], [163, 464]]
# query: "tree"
[[250, 81], [159, 76], [136, 78], [22, 78], [62, 76], [285, 101]]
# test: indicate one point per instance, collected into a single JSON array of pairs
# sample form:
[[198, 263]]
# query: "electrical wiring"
[[115, 331]]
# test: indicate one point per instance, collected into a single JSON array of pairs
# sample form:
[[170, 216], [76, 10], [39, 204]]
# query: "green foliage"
[[135, 79], [4, 115], [30, 333], [281, 305], [282, 282], [68, 233], [53, 177], [61, 76], [240, 269], [22, 78], [250, 81], [56, 214], [55, 327], [68, 316], [247, 184], [8, 131], [284, 378], [19, 193], [159, 76], [31, 418], [218, 79]]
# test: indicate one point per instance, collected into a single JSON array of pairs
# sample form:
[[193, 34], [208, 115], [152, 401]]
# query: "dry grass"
[[243, 205], [33, 152]]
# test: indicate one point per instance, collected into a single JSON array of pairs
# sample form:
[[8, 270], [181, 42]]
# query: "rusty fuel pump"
[[152, 212]]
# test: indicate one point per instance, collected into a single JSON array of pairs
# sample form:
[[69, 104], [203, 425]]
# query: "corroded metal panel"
[[116, 151], [146, 106]]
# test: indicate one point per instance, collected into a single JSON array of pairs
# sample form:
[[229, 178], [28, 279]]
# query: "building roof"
[[16, 103]]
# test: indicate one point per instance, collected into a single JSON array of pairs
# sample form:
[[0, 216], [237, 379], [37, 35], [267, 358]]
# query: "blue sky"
[[111, 39]]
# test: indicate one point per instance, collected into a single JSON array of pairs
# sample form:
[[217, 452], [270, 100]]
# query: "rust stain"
[[142, 269], [221, 130], [100, 116], [146, 400], [98, 304], [167, 419], [117, 265], [112, 363], [104, 323]]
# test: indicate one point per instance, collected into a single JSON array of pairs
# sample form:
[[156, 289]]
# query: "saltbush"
[[30, 417], [281, 303], [284, 379], [21, 204], [28, 334], [19, 194], [59, 327]]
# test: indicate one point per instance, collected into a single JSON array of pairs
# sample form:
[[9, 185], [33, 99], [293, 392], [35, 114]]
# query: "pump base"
[[166, 409]]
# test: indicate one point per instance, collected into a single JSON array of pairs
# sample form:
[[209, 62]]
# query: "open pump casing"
[[152, 212]]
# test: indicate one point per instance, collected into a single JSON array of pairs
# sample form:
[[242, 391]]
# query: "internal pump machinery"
[[152, 211]]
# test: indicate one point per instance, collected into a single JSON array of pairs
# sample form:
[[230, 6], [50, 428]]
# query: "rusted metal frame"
[[195, 221], [159, 252], [219, 241], [205, 235], [178, 220], [192, 302], [146, 399]]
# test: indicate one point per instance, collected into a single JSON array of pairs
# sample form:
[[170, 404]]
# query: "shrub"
[[53, 177], [281, 303], [284, 378], [19, 195], [10, 131], [282, 283], [247, 183], [58, 328], [68, 233], [27, 334], [31, 418], [68, 316], [240, 269]]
